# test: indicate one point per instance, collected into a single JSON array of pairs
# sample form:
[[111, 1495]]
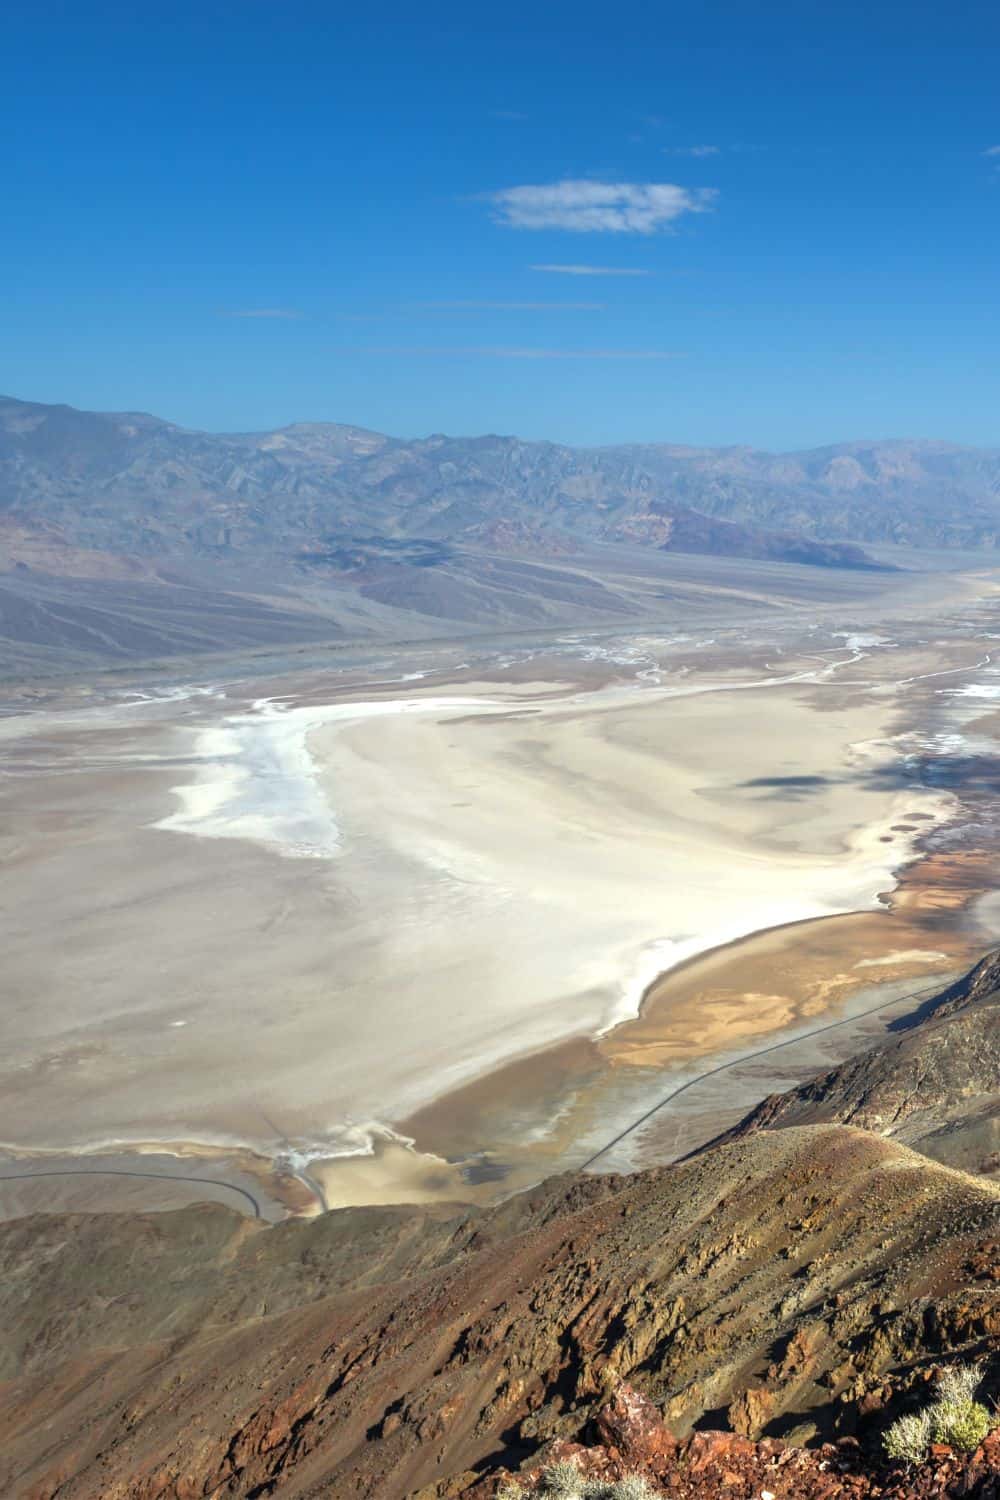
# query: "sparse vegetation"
[[632, 1487], [564, 1480], [909, 1438], [955, 1418]]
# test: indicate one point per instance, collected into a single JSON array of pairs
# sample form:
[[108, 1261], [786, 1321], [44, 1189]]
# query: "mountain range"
[[319, 530]]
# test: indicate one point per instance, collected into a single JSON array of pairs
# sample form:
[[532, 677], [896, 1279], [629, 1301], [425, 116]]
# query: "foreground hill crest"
[[801, 1283], [386, 1352]]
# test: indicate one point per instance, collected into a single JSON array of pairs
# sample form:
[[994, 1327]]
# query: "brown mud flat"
[[811, 970]]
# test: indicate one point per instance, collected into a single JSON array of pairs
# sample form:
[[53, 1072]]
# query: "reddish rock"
[[593, 1463], [712, 1448], [752, 1410], [633, 1427]]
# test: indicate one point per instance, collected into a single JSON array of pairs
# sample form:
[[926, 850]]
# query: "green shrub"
[[954, 1417], [957, 1418], [962, 1424]]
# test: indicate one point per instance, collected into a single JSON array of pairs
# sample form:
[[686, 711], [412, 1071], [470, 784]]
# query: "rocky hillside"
[[768, 1287], [935, 1086], [787, 1286]]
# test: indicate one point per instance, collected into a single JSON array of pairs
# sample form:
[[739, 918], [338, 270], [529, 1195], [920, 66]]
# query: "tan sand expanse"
[[514, 867], [540, 1113], [353, 903], [538, 872]]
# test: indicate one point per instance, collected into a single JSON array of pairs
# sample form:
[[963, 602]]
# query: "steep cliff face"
[[384, 1353]]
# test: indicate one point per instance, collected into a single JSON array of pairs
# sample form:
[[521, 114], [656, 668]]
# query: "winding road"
[[229, 1187], [749, 1057]]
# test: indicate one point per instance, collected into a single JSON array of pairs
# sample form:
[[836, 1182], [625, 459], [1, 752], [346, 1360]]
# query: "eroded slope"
[[387, 1353]]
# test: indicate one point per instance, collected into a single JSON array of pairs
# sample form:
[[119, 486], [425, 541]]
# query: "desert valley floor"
[[434, 922]]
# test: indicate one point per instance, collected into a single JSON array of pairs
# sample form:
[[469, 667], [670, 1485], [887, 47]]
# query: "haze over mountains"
[[132, 483], [319, 530]]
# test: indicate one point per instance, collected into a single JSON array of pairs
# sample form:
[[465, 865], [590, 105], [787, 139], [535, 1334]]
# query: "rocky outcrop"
[[710, 1465]]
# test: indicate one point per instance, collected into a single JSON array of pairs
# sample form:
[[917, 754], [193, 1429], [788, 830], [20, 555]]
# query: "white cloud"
[[992, 151], [592, 270], [514, 306], [491, 351], [692, 150], [263, 312], [584, 205]]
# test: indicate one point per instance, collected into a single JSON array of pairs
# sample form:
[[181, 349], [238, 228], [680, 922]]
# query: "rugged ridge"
[[795, 1283], [206, 487], [390, 1353]]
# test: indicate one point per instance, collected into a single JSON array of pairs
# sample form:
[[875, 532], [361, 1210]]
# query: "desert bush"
[[961, 1424], [954, 1417], [632, 1487], [563, 1479], [957, 1418], [909, 1438], [958, 1384]]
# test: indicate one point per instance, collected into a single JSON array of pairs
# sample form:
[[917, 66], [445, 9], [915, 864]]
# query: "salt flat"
[[292, 917]]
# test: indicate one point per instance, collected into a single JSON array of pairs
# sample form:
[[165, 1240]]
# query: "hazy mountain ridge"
[[210, 489], [130, 483], [322, 532]]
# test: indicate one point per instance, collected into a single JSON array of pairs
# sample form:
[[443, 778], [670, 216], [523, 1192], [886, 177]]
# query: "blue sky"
[[765, 223]]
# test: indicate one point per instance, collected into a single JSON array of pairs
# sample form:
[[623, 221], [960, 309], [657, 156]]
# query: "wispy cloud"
[[593, 270], [992, 151], [692, 150], [493, 351], [514, 306], [261, 312], [584, 205]]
